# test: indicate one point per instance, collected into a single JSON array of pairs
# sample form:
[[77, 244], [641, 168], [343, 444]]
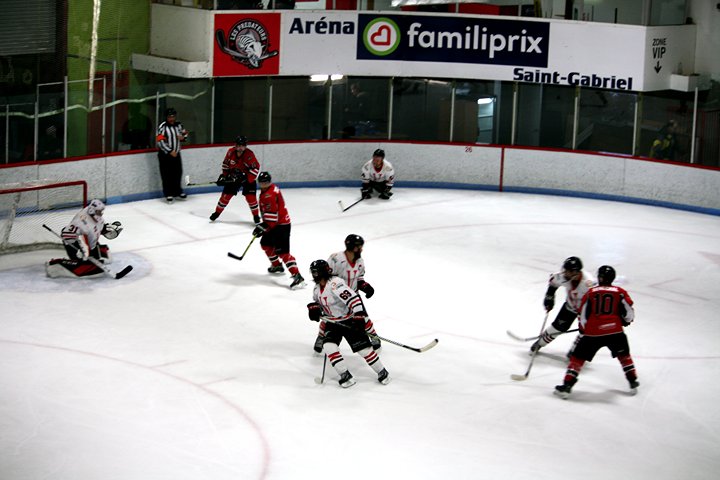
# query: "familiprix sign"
[[453, 40]]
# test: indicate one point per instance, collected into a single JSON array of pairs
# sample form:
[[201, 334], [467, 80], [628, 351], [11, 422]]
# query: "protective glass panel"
[[241, 108], [606, 121], [421, 109], [361, 108], [549, 126]]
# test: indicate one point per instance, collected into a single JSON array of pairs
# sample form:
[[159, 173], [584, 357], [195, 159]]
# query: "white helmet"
[[96, 208]]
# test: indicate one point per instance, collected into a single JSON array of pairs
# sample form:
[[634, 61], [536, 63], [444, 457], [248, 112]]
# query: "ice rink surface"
[[197, 366]]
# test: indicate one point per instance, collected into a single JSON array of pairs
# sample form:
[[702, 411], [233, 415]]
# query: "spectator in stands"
[[665, 146]]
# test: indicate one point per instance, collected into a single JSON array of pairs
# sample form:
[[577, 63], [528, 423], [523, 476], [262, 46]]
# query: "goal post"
[[26, 206]]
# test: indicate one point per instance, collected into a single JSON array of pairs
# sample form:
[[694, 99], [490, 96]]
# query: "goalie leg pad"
[[62, 267]]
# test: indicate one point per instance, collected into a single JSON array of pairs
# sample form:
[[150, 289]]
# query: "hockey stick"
[[116, 276], [188, 184], [534, 354], [521, 339], [232, 255], [320, 380], [342, 207], [414, 349]]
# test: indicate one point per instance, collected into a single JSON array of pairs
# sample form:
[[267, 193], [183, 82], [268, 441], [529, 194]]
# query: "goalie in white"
[[81, 241], [343, 312]]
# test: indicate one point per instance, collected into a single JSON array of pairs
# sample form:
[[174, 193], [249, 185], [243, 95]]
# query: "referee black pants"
[[170, 173]]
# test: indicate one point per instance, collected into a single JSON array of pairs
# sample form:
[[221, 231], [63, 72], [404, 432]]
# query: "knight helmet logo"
[[247, 43]]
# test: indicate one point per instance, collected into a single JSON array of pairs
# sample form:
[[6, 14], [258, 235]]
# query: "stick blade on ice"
[[519, 378]]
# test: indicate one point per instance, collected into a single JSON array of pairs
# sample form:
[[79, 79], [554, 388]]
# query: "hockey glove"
[[222, 180], [367, 289], [261, 229], [314, 311], [112, 230], [366, 191], [549, 301], [386, 194]]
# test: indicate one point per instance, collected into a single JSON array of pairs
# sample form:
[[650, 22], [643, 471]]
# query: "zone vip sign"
[[246, 44]]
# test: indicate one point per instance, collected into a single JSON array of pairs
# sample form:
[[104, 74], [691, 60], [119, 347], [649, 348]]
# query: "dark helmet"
[[352, 241], [572, 264], [170, 112], [606, 275], [379, 153], [319, 269], [264, 177], [241, 140]]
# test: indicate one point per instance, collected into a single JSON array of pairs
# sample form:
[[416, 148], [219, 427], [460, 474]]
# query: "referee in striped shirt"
[[169, 135]]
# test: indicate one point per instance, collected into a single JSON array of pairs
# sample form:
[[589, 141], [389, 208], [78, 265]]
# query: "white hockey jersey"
[[386, 173], [574, 294], [351, 273], [337, 300], [86, 225]]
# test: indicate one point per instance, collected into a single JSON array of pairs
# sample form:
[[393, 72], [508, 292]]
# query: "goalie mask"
[[95, 209]]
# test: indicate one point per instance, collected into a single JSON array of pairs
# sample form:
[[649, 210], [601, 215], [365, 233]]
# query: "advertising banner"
[[246, 44], [595, 55]]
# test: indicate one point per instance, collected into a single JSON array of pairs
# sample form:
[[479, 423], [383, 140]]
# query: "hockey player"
[[240, 169], [343, 309], [350, 266], [81, 241], [275, 231], [377, 174], [577, 283], [604, 312]]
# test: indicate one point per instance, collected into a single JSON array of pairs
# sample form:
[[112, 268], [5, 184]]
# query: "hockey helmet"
[[170, 112], [264, 177], [379, 153], [241, 140], [319, 269], [606, 275], [352, 241], [572, 264], [96, 208]]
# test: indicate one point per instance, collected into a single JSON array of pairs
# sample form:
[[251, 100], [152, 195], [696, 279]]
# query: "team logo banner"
[[454, 40], [246, 45]]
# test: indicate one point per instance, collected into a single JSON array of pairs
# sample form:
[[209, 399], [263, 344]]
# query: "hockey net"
[[26, 206]]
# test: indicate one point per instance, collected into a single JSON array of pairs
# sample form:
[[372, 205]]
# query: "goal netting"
[[26, 206]]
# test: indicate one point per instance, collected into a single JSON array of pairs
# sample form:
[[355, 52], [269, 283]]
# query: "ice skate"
[[276, 269], [298, 282], [346, 380], [384, 377], [563, 391], [169, 199], [214, 216], [634, 384]]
